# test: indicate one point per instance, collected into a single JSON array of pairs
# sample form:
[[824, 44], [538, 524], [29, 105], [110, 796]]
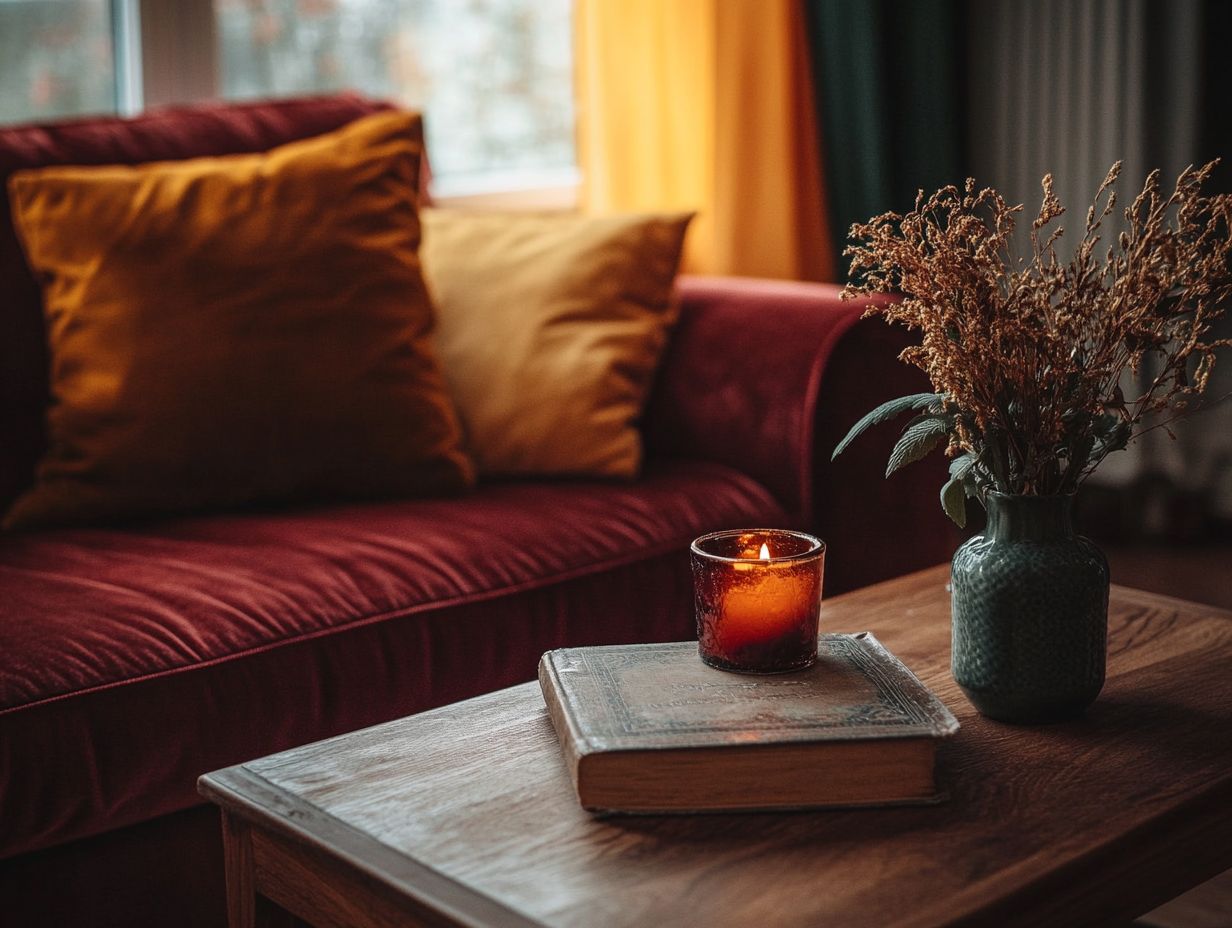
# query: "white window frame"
[[126, 56]]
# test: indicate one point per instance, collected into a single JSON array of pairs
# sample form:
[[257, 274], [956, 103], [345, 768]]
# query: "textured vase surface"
[[1030, 613]]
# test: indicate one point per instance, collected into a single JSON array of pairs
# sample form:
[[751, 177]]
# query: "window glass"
[[55, 59], [492, 77]]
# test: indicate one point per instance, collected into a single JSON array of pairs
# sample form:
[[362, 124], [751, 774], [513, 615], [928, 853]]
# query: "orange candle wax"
[[764, 602]]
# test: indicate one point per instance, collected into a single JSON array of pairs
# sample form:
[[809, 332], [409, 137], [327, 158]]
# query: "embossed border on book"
[[904, 707]]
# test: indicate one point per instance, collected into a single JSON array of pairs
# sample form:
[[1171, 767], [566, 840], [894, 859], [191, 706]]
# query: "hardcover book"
[[650, 728]]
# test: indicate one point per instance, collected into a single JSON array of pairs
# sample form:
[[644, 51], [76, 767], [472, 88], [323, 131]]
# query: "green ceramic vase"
[[1030, 613]]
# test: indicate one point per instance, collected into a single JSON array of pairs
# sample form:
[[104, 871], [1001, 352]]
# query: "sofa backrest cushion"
[[245, 329], [162, 135]]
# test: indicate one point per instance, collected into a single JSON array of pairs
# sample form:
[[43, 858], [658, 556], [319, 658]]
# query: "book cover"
[[650, 728]]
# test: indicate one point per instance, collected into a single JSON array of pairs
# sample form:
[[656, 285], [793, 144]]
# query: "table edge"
[[246, 794]]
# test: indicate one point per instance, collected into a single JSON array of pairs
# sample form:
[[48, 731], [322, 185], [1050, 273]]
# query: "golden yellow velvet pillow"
[[237, 329], [550, 328]]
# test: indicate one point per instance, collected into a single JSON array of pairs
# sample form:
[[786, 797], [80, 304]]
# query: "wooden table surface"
[[465, 815]]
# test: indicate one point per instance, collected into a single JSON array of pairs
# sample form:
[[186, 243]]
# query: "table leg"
[[237, 862]]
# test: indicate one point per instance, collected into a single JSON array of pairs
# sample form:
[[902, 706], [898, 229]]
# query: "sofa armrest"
[[766, 377], [740, 379]]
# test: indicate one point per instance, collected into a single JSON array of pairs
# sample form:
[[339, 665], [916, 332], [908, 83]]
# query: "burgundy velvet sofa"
[[133, 659]]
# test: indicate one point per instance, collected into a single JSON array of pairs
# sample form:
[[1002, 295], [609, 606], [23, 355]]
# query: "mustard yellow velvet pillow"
[[550, 329], [237, 329]]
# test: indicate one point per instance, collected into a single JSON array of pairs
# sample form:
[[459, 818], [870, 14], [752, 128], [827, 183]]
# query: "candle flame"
[[765, 552]]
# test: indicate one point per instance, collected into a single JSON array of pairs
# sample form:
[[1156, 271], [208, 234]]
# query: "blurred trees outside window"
[[56, 59], [492, 77]]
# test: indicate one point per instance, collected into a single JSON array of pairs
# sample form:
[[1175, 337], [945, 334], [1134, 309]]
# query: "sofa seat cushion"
[[135, 660]]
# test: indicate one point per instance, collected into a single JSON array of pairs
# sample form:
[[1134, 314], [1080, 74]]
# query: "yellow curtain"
[[706, 105]]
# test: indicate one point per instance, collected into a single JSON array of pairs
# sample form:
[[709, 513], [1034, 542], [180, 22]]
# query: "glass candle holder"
[[757, 595]]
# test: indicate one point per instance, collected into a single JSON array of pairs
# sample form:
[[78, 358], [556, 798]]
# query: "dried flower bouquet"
[[1027, 357]]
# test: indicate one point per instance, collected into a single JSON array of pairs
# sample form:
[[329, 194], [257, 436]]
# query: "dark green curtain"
[[1215, 127], [890, 98]]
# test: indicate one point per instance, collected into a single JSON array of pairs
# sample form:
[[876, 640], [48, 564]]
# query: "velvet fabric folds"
[[229, 331], [170, 135], [550, 327], [137, 660], [767, 377]]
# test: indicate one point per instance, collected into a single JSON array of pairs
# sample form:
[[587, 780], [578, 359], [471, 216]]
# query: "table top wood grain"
[[468, 809]]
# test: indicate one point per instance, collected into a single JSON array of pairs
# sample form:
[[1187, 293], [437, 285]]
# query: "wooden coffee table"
[[465, 816]]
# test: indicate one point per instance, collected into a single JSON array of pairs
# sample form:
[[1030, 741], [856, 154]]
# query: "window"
[[492, 77]]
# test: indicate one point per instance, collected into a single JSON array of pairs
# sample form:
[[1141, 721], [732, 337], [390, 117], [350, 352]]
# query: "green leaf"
[[971, 484], [885, 412], [954, 501], [1105, 425], [960, 485], [961, 465], [918, 439], [1117, 439]]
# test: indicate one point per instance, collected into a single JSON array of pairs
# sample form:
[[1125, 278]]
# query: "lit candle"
[[758, 596]]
